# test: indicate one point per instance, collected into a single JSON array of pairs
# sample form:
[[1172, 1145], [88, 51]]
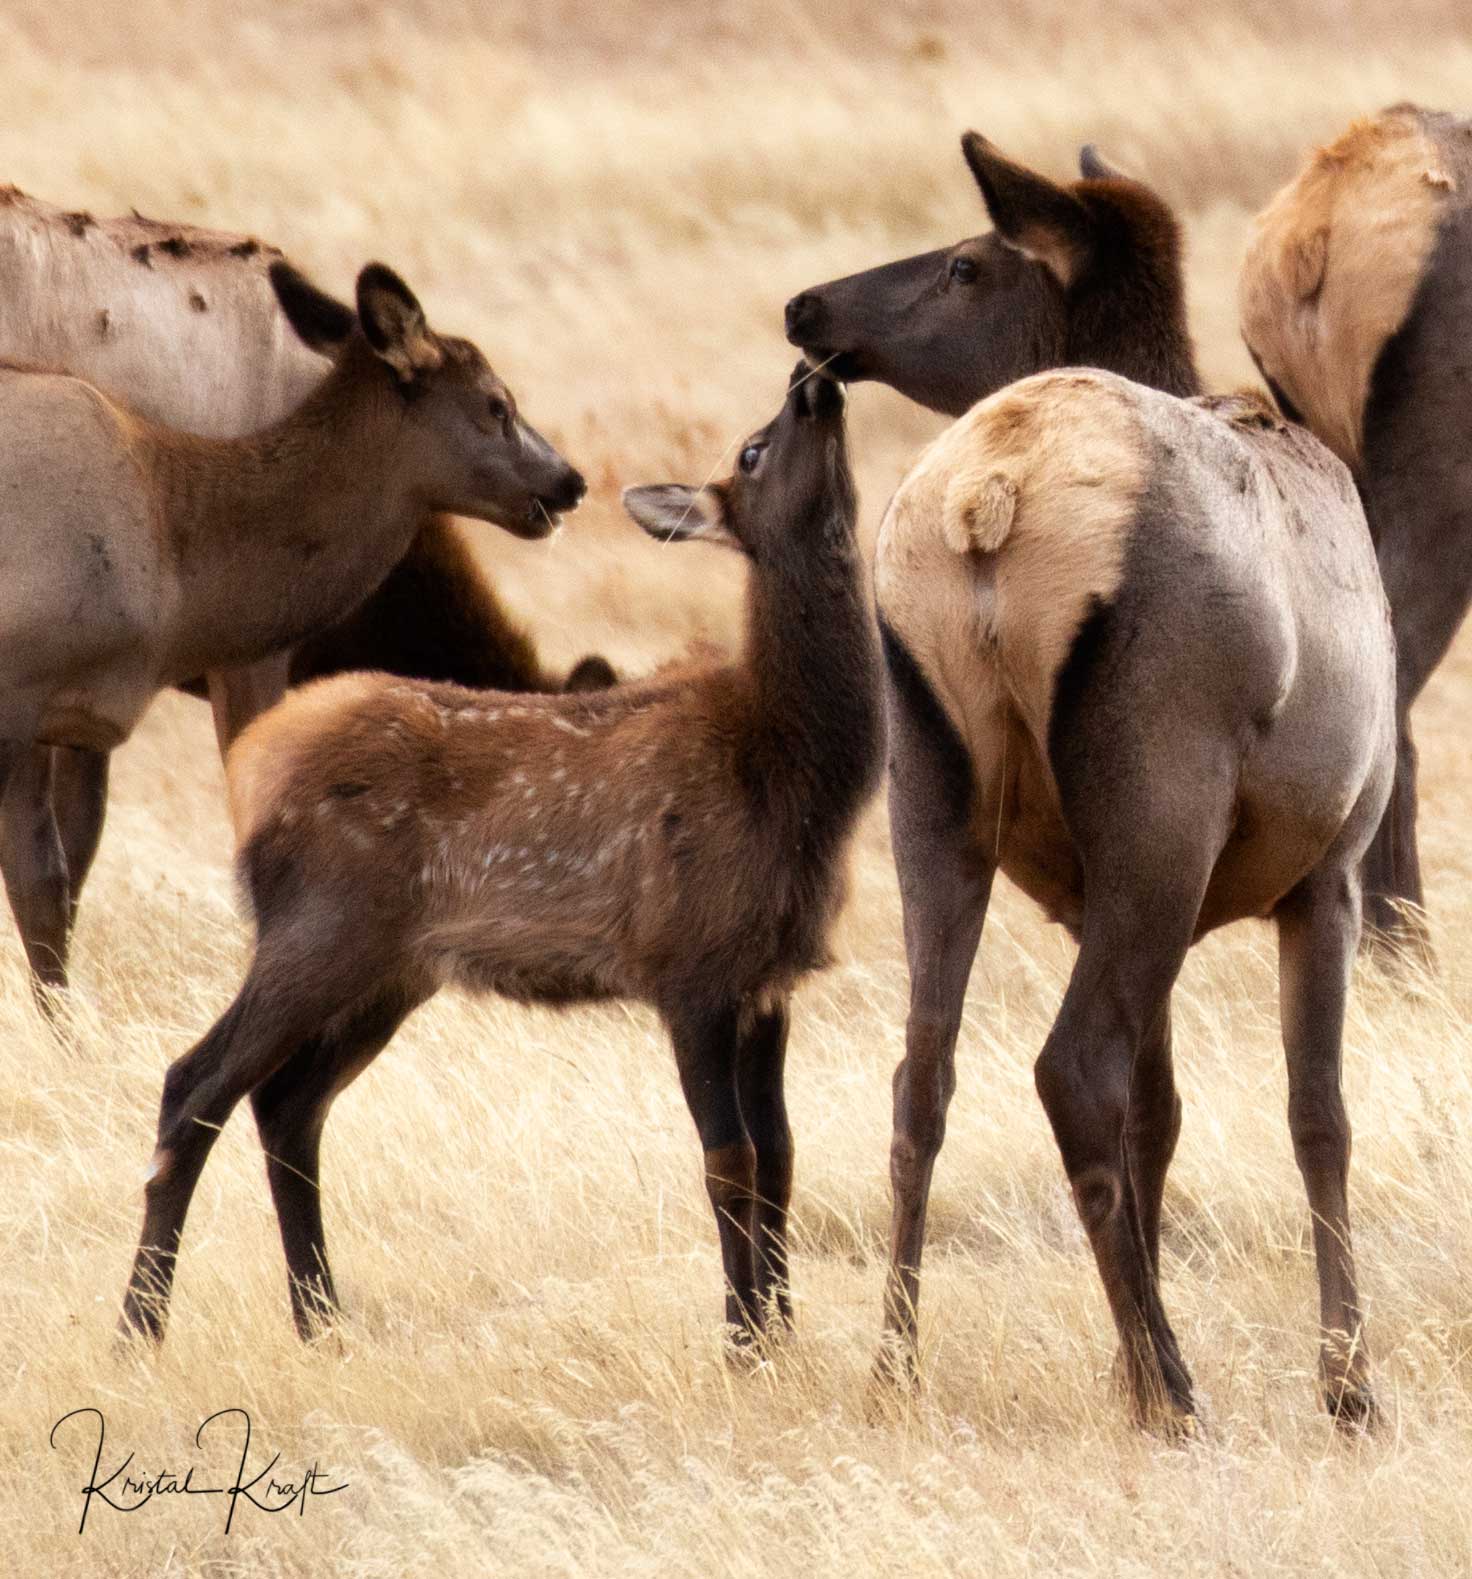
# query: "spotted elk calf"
[[679, 842]]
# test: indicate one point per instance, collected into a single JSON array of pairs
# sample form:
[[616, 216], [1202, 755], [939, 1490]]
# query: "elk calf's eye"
[[963, 270], [499, 412], [750, 456]]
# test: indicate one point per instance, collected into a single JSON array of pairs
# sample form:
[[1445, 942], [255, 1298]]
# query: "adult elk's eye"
[[963, 270], [749, 457], [499, 410]]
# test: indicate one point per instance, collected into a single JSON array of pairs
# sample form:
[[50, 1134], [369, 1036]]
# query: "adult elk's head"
[[468, 449], [1084, 274]]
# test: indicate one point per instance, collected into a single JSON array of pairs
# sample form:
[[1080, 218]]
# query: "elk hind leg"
[[291, 1108]]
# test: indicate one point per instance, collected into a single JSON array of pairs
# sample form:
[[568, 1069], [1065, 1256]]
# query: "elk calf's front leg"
[[706, 1047]]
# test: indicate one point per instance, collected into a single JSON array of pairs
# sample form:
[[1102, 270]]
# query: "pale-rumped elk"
[[680, 841], [136, 556], [1138, 660], [182, 324], [1356, 303]]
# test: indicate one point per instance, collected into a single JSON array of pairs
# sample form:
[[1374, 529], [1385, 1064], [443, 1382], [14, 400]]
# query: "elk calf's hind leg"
[[291, 1109], [35, 869], [249, 1041], [761, 1060], [1318, 925], [706, 1054]]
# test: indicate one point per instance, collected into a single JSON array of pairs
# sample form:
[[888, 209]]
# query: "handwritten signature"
[[264, 1490]]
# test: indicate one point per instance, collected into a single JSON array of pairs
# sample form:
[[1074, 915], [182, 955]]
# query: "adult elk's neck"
[[276, 535], [817, 723], [1127, 310]]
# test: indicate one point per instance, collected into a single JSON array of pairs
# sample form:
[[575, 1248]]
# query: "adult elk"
[[1356, 301], [679, 841], [135, 556], [183, 325], [1138, 660]]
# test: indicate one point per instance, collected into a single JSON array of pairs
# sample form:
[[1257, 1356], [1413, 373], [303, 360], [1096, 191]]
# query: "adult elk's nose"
[[804, 315], [568, 494]]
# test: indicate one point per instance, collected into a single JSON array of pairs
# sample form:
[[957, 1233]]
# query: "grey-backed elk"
[[1356, 300], [1138, 660], [183, 325], [679, 842]]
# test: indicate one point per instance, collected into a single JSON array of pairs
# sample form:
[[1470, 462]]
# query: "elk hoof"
[[743, 1347], [1352, 1406], [893, 1381]]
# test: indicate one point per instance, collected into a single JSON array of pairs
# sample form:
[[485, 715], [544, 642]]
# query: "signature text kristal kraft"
[[264, 1489]]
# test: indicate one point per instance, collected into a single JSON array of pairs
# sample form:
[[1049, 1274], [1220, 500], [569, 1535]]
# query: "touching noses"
[[568, 493], [804, 315]]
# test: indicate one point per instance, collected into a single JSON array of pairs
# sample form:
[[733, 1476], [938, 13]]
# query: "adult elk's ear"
[[675, 513], [394, 323], [1039, 217], [321, 321]]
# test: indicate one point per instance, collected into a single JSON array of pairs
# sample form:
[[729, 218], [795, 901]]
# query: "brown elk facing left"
[[679, 841]]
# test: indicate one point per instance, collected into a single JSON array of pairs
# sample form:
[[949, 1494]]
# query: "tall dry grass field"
[[616, 201]]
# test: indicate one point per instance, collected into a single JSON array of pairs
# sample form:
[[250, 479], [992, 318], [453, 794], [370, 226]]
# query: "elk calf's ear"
[[394, 323], [676, 513], [1039, 217], [978, 511], [320, 321]]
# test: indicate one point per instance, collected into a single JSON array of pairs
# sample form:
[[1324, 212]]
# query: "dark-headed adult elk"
[[182, 325], [1138, 660], [679, 841], [1356, 298]]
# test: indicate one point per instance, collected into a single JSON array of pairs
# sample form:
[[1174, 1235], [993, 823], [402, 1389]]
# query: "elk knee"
[[159, 1167]]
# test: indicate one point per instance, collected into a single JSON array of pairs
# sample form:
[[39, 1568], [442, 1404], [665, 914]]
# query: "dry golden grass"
[[616, 204]]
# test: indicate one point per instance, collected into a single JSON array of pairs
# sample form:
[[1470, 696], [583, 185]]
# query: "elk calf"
[[1138, 661], [679, 841], [135, 556]]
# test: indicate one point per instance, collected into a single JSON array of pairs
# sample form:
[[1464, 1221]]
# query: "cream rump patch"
[[1334, 264], [1004, 532]]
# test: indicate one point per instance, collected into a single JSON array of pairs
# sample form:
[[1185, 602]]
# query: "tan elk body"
[[1356, 302], [1138, 661]]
